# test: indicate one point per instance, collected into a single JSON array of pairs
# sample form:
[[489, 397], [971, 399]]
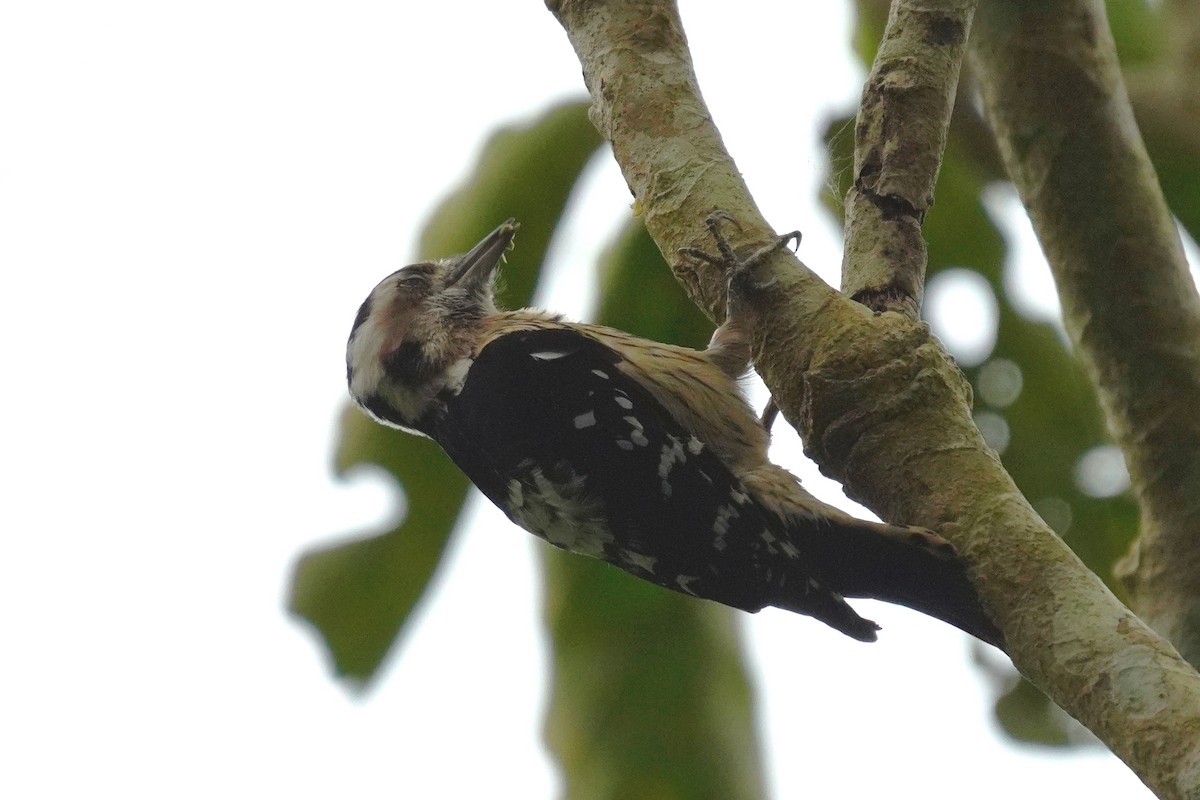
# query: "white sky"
[[194, 199]]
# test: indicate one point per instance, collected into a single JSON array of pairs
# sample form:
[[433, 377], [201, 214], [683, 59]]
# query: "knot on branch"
[[876, 400], [891, 297], [891, 206]]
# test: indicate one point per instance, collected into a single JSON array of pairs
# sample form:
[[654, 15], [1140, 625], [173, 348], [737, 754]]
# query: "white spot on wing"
[[725, 512], [639, 438], [549, 355], [516, 495], [624, 402], [671, 453], [585, 420], [643, 562], [695, 446], [682, 582], [599, 373]]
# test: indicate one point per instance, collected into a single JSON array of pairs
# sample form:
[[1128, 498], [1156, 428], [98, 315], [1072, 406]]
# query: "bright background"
[[194, 199]]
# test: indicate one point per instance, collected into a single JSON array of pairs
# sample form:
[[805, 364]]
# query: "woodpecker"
[[643, 454]]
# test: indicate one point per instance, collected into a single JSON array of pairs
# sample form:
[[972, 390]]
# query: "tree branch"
[[900, 136], [883, 408], [667, 144], [1052, 88]]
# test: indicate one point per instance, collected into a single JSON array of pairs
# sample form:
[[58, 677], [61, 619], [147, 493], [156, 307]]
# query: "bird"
[[643, 454]]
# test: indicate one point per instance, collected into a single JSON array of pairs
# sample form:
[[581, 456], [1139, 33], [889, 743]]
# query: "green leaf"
[[1160, 83], [526, 172], [638, 294], [650, 697], [1137, 29], [1175, 152], [359, 594], [868, 28], [1159, 80], [1028, 715]]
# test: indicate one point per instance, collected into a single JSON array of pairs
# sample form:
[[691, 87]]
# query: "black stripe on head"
[[382, 410], [364, 311], [408, 364]]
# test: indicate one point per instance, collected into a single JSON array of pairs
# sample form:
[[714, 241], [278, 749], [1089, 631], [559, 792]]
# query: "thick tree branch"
[[883, 408], [667, 145], [899, 139], [1052, 88]]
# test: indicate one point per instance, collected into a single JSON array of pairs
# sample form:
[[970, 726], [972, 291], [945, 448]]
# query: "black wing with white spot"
[[575, 451]]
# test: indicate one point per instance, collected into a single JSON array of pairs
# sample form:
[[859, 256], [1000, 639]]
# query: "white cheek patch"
[[362, 354]]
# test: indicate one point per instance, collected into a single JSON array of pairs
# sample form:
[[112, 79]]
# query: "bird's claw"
[[733, 265], [739, 271]]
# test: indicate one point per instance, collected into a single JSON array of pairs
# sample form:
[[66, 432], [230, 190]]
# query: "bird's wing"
[[582, 455]]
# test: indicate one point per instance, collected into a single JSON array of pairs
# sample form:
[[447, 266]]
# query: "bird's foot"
[[739, 270]]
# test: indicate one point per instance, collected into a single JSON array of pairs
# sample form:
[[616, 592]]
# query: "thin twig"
[[899, 140]]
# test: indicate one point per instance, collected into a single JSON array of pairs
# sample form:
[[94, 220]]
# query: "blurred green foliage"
[[359, 594], [650, 696]]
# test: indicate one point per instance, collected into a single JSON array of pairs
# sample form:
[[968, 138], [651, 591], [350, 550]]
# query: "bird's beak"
[[477, 266]]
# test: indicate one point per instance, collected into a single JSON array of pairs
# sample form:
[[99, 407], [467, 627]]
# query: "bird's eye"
[[412, 282]]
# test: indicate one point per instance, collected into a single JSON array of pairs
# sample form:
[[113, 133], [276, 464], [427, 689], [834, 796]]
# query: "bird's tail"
[[912, 567]]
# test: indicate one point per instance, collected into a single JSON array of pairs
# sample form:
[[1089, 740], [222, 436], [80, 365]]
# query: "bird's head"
[[416, 329]]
